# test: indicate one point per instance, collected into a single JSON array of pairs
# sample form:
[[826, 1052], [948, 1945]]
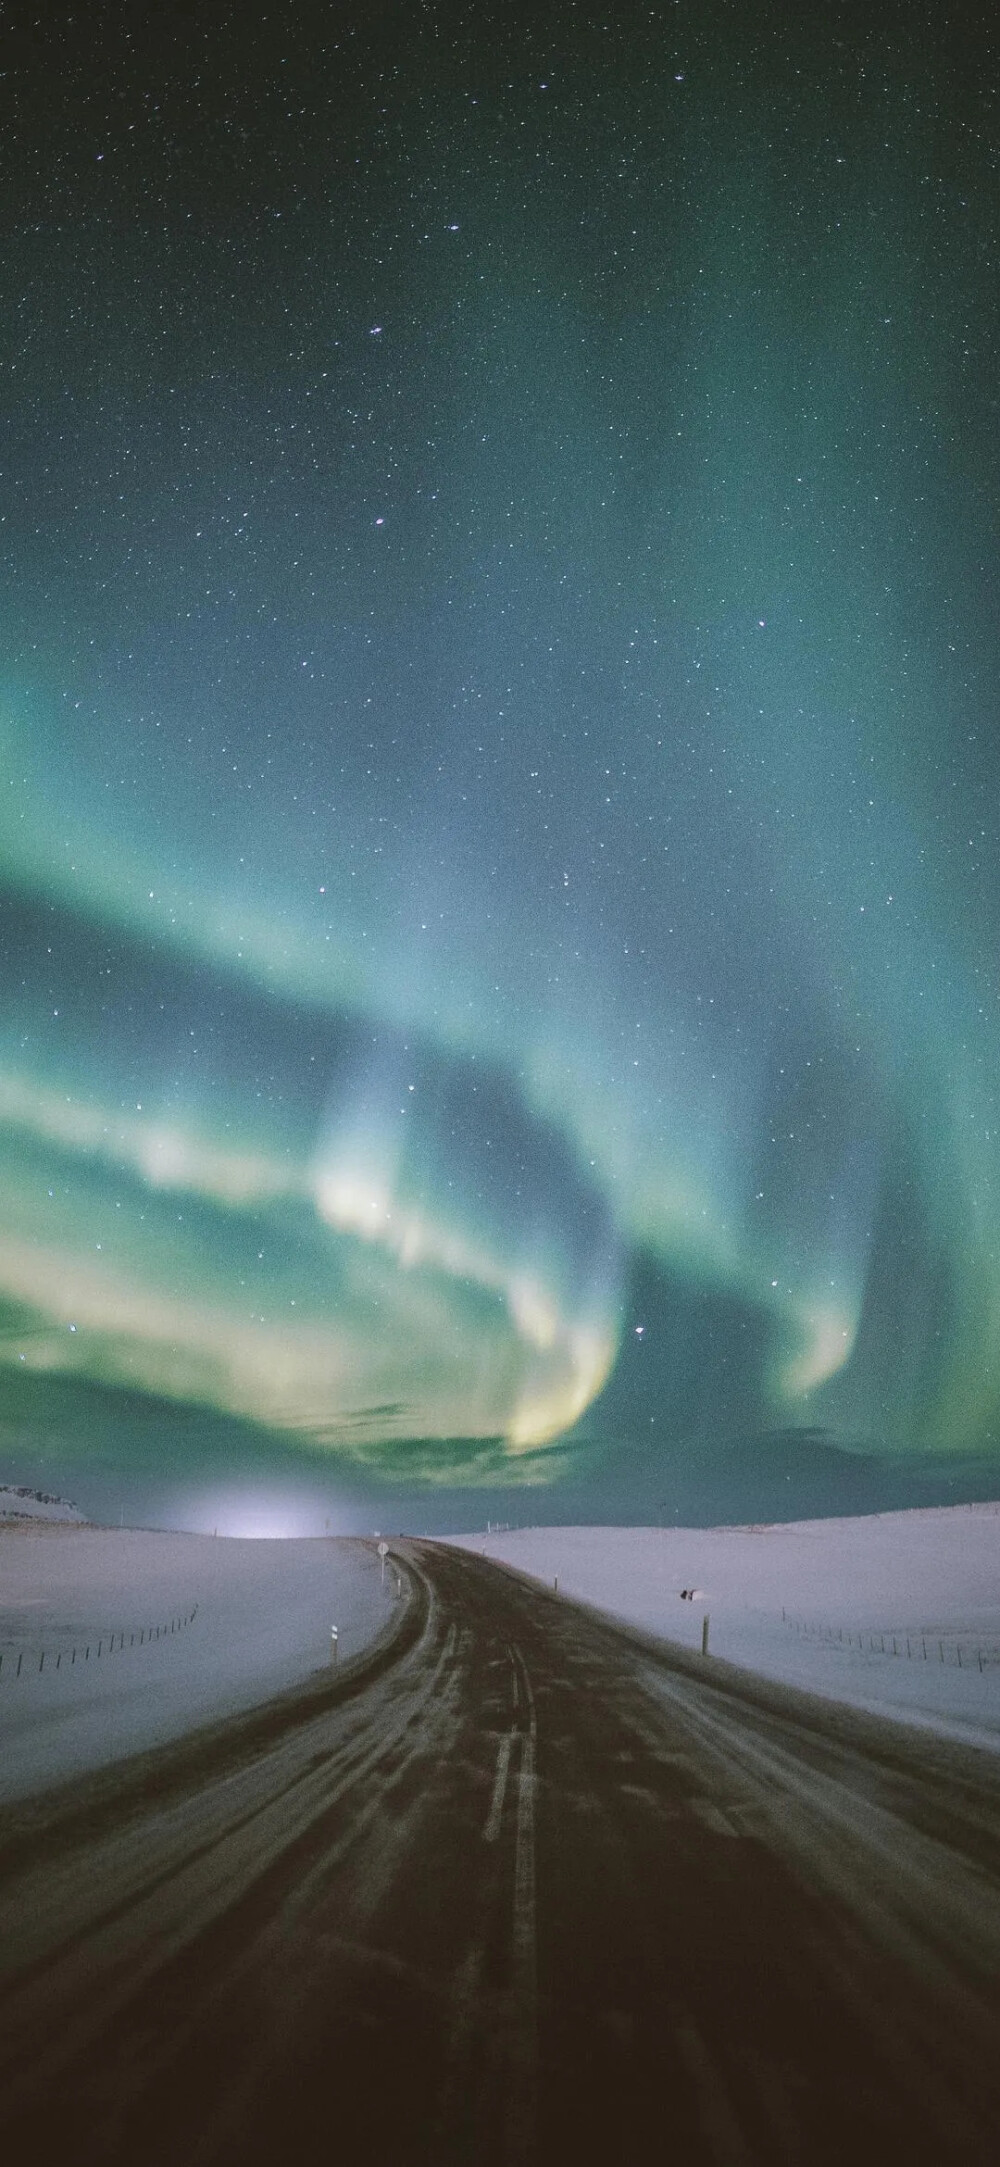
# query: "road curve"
[[535, 1890]]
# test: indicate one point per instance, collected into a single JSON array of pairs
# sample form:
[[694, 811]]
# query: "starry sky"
[[499, 662]]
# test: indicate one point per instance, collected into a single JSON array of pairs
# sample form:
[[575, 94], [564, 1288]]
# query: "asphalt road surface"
[[525, 1887]]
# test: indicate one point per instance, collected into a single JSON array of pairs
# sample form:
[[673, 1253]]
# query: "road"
[[532, 1890]]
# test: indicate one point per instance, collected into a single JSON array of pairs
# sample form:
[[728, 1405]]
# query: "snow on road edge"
[[818, 1604]]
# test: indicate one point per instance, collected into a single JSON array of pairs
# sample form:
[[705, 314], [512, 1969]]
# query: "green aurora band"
[[501, 887]]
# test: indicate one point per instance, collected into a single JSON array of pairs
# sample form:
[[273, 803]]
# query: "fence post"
[[704, 1634]]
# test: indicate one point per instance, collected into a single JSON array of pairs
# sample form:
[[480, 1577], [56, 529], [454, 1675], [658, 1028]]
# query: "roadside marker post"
[[383, 1551], [333, 1644], [704, 1634]]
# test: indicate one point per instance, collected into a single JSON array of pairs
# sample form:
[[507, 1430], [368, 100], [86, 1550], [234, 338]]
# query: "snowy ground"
[[821, 1604], [231, 1623]]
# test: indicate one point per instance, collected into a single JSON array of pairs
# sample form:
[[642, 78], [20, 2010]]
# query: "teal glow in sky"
[[498, 689]]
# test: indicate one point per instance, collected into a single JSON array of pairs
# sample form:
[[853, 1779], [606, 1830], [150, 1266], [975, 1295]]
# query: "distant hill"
[[17, 1502]]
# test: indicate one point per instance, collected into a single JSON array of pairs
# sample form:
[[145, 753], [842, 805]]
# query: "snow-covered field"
[[821, 1604], [231, 1622], [213, 1625]]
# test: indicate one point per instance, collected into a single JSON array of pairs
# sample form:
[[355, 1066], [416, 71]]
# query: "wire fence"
[[15, 1663], [961, 1652]]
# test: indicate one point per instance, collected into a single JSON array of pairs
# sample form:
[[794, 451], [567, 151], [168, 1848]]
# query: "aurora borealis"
[[498, 692]]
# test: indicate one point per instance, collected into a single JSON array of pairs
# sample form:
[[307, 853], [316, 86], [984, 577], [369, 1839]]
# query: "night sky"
[[499, 668]]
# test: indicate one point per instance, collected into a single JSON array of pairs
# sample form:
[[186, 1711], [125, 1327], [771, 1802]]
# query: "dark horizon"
[[164, 1465]]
